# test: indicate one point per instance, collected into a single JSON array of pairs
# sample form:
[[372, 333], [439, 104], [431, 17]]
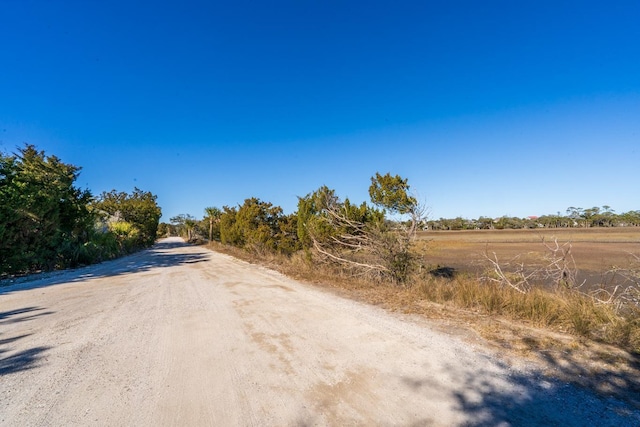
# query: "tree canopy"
[[43, 216], [140, 208], [392, 193], [47, 222]]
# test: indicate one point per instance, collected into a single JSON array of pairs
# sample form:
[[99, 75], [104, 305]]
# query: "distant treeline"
[[575, 217], [47, 223]]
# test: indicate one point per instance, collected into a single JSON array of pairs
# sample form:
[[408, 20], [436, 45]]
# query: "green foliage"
[[139, 208], [213, 217], [187, 227], [44, 218], [311, 208], [258, 226], [230, 234], [127, 235], [287, 236], [165, 230], [47, 223], [258, 222], [575, 217], [102, 246], [392, 193], [357, 237]]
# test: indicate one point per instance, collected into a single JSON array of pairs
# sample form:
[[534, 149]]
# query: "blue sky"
[[488, 108]]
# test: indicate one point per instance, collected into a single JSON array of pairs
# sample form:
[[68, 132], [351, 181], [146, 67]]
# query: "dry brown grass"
[[558, 309], [576, 337], [595, 250]]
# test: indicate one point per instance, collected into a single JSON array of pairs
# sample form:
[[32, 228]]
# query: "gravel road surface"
[[180, 336]]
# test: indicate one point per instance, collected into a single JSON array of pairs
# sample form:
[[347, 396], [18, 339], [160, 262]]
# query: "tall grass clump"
[[565, 310], [540, 307]]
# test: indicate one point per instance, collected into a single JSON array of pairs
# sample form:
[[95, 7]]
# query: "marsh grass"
[[562, 310], [558, 309]]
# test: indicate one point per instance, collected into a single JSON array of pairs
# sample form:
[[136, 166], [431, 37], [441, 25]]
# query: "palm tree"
[[213, 213]]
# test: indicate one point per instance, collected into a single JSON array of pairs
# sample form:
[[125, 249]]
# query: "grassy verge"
[[573, 336]]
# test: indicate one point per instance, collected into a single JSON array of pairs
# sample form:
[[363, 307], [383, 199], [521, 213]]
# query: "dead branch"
[[561, 267], [631, 278], [521, 285], [363, 248], [342, 260]]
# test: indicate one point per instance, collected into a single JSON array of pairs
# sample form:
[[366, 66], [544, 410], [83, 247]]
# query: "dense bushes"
[[259, 226], [44, 219], [138, 211], [47, 223], [356, 237]]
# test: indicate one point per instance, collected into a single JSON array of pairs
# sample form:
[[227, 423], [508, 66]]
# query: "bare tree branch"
[[348, 261]]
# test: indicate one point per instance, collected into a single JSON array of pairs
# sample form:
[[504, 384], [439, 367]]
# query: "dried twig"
[[520, 284], [561, 267]]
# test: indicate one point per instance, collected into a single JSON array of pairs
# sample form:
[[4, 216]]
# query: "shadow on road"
[[21, 361], [25, 359], [532, 399], [11, 316], [163, 254]]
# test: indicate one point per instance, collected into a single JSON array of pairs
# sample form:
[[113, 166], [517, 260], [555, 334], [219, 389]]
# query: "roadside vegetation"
[[385, 252], [48, 223], [378, 251], [584, 335]]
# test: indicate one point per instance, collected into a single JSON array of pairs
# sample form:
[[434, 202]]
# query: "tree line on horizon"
[[47, 223], [574, 218]]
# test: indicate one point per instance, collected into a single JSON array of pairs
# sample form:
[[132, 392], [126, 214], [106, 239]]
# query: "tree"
[[140, 208], [287, 237], [485, 223], [576, 214], [44, 218], [590, 216], [185, 225], [46, 222], [229, 232], [213, 215], [259, 226], [165, 230], [309, 207], [631, 218], [258, 222], [358, 237], [392, 193], [338, 231]]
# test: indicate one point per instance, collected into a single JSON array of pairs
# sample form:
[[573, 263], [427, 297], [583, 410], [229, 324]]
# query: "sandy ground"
[[180, 336]]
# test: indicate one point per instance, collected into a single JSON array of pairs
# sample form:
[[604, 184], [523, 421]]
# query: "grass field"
[[595, 250]]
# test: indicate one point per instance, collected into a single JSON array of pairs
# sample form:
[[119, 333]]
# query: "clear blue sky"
[[488, 108]]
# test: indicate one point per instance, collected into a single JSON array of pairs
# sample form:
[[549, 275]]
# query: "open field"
[[595, 250]]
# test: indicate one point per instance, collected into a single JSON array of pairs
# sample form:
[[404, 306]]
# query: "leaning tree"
[[359, 237]]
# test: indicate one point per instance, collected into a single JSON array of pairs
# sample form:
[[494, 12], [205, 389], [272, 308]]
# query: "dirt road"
[[180, 336]]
